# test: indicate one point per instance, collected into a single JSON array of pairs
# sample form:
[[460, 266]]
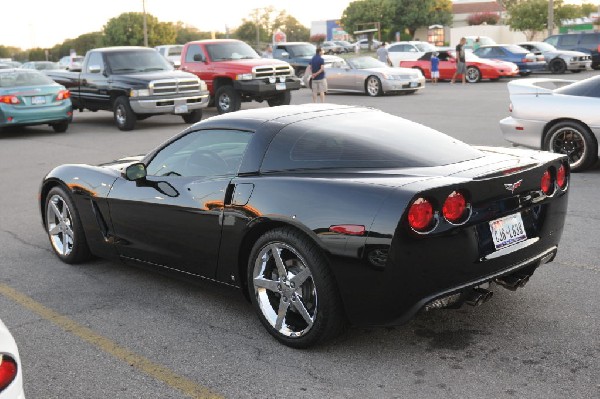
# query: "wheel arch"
[[256, 230], [554, 122], [45, 189], [221, 81]]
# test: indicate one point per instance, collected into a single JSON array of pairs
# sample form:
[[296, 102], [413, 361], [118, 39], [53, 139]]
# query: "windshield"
[[425, 47], [513, 48], [366, 63], [585, 88], [302, 50], [225, 51], [132, 61], [46, 65], [176, 50], [23, 77]]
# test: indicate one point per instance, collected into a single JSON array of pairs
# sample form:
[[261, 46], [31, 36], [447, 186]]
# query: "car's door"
[[195, 62], [173, 217], [340, 76], [93, 88], [447, 65]]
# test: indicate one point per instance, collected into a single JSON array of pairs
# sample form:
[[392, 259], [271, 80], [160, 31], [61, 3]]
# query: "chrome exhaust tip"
[[478, 296]]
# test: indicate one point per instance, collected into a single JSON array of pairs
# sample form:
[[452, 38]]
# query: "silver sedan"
[[556, 115], [370, 76]]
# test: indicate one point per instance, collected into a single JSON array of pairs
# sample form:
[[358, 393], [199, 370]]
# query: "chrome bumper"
[[179, 105]]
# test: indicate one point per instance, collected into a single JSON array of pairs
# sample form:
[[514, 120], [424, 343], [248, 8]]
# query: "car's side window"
[[202, 153], [568, 40], [484, 52], [95, 61], [193, 49], [553, 40], [589, 39]]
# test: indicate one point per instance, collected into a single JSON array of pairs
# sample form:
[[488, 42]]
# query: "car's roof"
[[292, 43], [118, 48]]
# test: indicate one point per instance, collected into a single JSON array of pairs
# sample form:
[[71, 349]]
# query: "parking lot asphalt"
[[103, 329]]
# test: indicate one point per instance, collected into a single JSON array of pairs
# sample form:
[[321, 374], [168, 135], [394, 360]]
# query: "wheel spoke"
[[55, 209], [69, 232], [281, 313], [276, 252], [302, 310], [55, 230], [270, 285], [65, 244], [301, 277]]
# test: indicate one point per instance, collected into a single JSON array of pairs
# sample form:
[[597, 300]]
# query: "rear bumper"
[[523, 132], [148, 105], [35, 116]]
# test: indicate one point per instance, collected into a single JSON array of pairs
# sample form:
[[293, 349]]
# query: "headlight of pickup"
[[203, 86], [243, 76], [139, 93]]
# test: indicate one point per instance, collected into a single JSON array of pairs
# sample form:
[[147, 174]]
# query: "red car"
[[477, 68]]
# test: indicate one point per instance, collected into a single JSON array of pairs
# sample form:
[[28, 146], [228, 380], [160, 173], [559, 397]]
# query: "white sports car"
[[556, 115], [11, 377]]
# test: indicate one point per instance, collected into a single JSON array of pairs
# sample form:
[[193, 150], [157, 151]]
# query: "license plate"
[[414, 84], [181, 109], [37, 100], [507, 231], [280, 86]]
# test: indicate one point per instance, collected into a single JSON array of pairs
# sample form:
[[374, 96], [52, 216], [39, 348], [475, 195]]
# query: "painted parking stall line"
[[156, 371]]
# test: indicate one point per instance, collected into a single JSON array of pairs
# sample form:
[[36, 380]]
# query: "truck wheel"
[[227, 100], [192, 117], [124, 116], [281, 99]]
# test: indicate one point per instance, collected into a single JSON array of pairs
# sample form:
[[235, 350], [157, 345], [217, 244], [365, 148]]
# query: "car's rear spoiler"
[[536, 85]]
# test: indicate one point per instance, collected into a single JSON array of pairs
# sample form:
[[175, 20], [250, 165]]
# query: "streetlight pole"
[[145, 25], [550, 17]]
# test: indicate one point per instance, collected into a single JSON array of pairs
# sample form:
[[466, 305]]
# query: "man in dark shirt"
[[461, 61], [319, 84]]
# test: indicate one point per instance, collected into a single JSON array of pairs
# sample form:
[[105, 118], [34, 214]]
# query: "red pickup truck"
[[235, 73]]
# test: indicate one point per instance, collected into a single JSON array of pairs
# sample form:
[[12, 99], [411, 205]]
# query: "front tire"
[[575, 140], [373, 86], [60, 127], [193, 117], [293, 290], [64, 227], [124, 116], [558, 66], [281, 99], [473, 75], [227, 100]]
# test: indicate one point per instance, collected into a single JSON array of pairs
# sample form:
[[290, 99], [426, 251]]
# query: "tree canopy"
[[270, 20], [127, 30]]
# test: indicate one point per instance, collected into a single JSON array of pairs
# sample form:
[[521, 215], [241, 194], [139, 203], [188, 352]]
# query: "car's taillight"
[[420, 214], [9, 99], [63, 95], [454, 207], [546, 183], [8, 371], [561, 177]]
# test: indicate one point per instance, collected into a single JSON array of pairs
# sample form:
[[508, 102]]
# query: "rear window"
[[513, 48], [24, 77], [368, 139], [584, 88]]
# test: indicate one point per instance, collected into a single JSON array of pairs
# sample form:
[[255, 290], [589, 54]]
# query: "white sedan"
[[11, 376]]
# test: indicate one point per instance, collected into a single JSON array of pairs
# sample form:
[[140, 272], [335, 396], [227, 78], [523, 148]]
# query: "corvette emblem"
[[514, 186]]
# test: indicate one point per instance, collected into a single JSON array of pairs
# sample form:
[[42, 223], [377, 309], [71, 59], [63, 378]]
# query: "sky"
[[44, 23]]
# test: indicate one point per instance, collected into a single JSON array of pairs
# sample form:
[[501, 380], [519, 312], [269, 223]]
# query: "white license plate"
[[37, 100], [414, 84], [181, 109], [507, 231], [280, 86]]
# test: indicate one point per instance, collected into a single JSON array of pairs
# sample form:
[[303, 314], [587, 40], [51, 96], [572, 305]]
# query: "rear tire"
[[227, 100], [124, 116], [60, 127], [293, 290], [557, 66], [575, 140], [281, 99], [473, 75], [193, 117], [64, 227], [524, 73]]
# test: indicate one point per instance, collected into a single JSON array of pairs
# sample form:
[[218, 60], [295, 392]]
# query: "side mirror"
[[285, 54], [136, 171], [94, 69], [199, 58]]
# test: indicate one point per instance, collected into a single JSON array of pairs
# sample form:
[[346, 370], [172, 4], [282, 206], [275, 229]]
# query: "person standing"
[[461, 62], [319, 83], [435, 67], [268, 53], [476, 44], [383, 55]]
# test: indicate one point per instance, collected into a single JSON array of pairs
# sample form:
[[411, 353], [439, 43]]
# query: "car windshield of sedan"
[[23, 78], [425, 47], [227, 51], [513, 48], [366, 63], [121, 62]]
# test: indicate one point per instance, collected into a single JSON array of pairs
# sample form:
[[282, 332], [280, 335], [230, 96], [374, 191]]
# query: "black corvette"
[[320, 214]]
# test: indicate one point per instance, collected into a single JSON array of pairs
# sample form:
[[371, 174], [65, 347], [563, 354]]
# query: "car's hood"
[[536, 85], [392, 71], [247, 64], [569, 53], [146, 77]]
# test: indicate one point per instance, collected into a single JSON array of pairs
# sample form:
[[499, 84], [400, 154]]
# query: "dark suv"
[[587, 42]]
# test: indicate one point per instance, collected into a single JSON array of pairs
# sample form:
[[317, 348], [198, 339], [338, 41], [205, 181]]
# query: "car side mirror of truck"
[[94, 69], [199, 58], [135, 171]]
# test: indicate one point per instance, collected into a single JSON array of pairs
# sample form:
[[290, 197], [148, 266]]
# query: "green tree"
[[411, 14], [187, 33], [9, 52], [293, 29], [127, 30], [529, 17], [359, 13], [247, 32]]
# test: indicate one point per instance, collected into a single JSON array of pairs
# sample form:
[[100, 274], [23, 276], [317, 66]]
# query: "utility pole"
[[145, 25], [550, 17]]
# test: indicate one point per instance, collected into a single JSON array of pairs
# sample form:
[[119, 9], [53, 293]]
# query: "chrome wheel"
[[285, 290], [373, 86], [224, 102], [473, 75], [120, 115], [569, 141], [59, 223]]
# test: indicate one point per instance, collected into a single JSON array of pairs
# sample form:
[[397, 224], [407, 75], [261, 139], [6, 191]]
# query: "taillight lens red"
[[454, 207], [561, 177], [8, 371], [546, 183], [420, 214], [9, 100], [63, 95]]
